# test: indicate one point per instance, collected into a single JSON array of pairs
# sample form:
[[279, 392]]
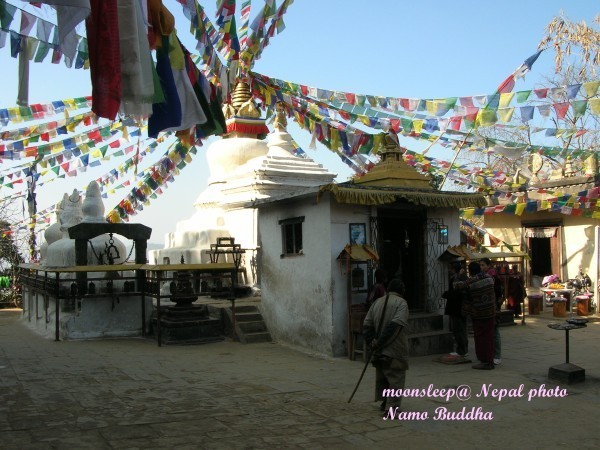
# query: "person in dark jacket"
[[458, 321]]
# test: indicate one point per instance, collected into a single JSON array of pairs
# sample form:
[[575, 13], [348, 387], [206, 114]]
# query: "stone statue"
[[535, 163], [69, 213], [591, 165], [280, 123], [569, 172], [93, 207]]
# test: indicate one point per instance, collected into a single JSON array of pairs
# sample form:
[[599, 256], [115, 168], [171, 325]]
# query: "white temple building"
[[243, 168]]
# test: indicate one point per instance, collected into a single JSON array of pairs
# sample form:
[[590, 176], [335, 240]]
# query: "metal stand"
[[567, 373]]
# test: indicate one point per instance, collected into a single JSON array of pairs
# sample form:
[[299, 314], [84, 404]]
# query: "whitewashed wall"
[[297, 291], [94, 318]]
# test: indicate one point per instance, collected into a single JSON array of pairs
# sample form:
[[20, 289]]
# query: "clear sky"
[[388, 48]]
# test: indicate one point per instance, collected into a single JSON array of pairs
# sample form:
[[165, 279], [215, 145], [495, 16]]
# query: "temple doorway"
[[543, 245], [399, 237]]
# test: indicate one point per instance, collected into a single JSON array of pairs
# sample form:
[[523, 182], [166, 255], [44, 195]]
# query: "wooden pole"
[[455, 156]]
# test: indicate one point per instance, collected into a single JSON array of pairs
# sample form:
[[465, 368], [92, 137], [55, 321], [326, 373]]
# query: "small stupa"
[[243, 168]]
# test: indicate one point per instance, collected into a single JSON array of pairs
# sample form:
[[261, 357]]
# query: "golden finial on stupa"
[[242, 101], [241, 94]]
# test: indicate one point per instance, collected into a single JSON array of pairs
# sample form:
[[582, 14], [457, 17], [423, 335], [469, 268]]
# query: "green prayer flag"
[[522, 96], [451, 102], [367, 146], [407, 124], [7, 13], [42, 51], [579, 107]]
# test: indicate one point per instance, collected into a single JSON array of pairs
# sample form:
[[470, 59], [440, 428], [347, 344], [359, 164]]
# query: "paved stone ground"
[[131, 394]]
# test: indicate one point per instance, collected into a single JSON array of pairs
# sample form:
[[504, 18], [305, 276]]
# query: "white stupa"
[[242, 168], [60, 251]]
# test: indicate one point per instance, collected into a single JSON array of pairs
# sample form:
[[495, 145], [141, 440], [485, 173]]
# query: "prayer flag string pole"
[[32, 209], [455, 156]]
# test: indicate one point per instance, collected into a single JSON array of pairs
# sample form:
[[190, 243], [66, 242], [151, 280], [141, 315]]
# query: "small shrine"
[[394, 210], [86, 284]]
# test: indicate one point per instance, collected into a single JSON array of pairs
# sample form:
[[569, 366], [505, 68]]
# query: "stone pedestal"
[[567, 373], [190, 324]]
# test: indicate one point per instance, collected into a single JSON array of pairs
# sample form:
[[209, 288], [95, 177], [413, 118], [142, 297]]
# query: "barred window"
[[291, 234]]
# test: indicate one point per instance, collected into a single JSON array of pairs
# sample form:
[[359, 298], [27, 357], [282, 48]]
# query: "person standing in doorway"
[[385, 330], [488, 268], [458, 321], [379, 289]]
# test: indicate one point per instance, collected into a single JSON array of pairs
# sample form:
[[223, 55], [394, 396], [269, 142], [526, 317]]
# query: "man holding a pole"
[[385, 331]]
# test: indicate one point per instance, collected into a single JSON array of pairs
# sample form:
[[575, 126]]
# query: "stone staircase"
[[427, 336], [249, 324]]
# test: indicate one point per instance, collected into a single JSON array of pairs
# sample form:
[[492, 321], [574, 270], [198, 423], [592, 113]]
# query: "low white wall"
[[93, 318]]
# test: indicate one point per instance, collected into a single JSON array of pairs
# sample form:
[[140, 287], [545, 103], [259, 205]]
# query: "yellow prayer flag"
[[377, 143], [430, 106], [545, 204], [591, 87], [520, 208], [595, 105], [505, 114], [417, 125], [15, 115], [505, 99], [335, 139]]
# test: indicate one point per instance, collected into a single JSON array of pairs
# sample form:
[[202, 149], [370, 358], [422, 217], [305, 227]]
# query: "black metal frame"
[[149, 277]]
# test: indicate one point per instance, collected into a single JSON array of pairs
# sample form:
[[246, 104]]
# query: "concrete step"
[[249, 324], [248, 317], [430, 343], [252, 327], [252, 338], [245, 308], [425, 322]]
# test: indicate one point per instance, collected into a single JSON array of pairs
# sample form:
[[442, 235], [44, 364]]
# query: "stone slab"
[[567, 373]]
